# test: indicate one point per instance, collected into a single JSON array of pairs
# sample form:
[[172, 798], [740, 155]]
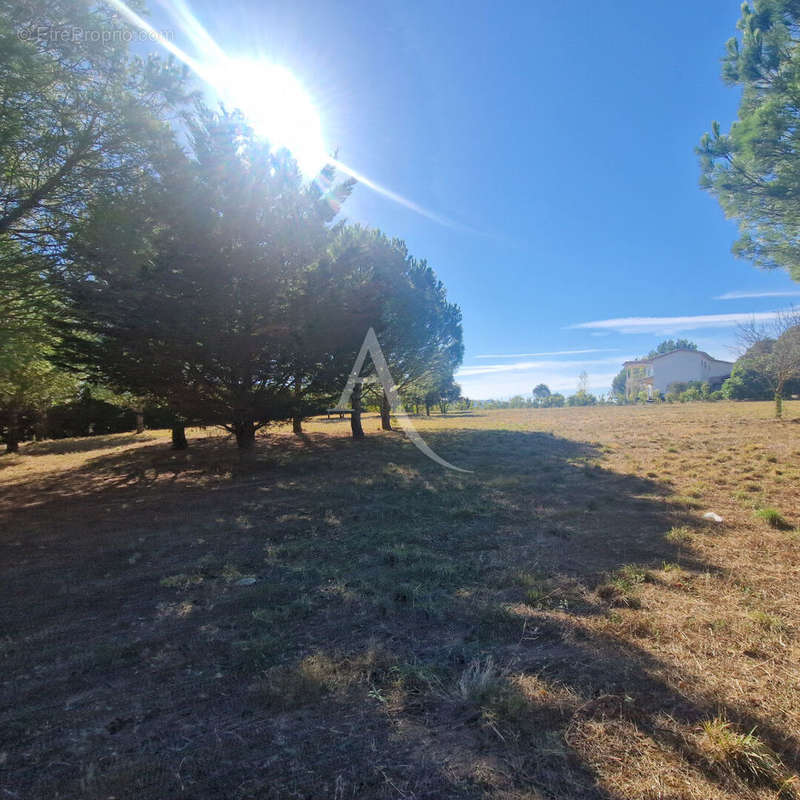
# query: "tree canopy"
[[79, 115], [222, 289], [185, 286], [156, 253], [668, 345], [541, 391], [754, 169], [770, 363]]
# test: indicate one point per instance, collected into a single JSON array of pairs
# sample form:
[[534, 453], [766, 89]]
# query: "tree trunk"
[[179, 437], [778, 405], [12, 437], [386, 413], [245, 432], [297, 417], [139, 420], [40, 428], [427, 409], [355, 416]]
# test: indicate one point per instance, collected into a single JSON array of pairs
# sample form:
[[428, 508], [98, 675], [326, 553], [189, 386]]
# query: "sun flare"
[[278, 107]]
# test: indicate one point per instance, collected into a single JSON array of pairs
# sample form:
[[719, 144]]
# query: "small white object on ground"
[[246, 581], [712, 516]]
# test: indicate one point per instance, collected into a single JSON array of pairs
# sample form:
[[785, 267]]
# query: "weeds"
[[623, 586], [684, 501], [679, 535], [743, 754], [480, 678], [773, 518], [182, 581], [768, 622]]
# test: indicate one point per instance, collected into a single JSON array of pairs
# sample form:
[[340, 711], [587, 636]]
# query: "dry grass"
[[479, 679], [332, 619], [742, 754]]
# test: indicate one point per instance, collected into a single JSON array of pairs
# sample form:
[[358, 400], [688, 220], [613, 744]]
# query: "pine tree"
[[754, 169]]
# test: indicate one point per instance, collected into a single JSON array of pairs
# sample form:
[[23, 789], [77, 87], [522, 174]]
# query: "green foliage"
[[29, 382], [418, 329], [78, 115], [746, 383], [618, 384], [97, 411], [669, 345], [202, 277], [555, 400], [680, 392], [449, 392], [693, 393], [743, 754], [773, 518], [770, 368], [754, 169], [675, 390], [581, 398], [541, 392], [184, 284], [518, 401], [221, 290]]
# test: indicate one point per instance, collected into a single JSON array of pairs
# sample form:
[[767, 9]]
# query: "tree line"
[[768, 367], [156, 254]]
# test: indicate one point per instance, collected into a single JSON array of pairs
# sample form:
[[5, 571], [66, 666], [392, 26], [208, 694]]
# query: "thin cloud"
[[554, 353], [746, 295], [566, 367], [665, 325]]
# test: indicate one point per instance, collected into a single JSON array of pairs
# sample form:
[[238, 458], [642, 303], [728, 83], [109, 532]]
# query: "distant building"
[[656, 374]]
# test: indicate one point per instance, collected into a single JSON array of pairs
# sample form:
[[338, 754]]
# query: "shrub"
[[556, 400], [581, 398], [691, 395], [88, 415]]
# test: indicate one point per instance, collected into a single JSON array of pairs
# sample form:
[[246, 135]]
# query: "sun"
[[278, 107]]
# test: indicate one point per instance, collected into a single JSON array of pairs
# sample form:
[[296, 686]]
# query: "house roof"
[[678, 350]]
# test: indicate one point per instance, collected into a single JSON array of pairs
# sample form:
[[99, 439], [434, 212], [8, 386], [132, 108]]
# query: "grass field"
[[332, 619]]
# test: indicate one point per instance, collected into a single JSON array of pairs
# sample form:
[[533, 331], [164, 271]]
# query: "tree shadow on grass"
[[305, 624], [84, 444]]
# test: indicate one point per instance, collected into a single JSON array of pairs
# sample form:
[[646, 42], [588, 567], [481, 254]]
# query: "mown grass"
[[331, 619]]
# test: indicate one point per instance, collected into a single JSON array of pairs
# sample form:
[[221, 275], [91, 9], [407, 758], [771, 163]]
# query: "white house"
[[678, 366]]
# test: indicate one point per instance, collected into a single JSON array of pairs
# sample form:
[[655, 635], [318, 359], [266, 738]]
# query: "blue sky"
[[554, 142]]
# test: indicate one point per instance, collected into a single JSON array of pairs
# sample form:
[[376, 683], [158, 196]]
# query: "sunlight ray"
[[220, 72]]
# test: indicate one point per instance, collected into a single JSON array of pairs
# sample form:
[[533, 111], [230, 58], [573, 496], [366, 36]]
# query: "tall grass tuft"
[[741, 753]]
